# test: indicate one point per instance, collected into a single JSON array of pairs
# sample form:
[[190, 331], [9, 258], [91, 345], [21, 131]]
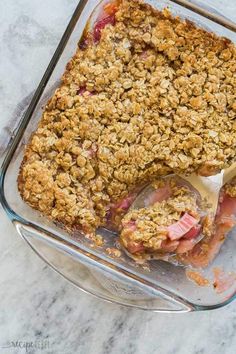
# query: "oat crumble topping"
[[230, 188], [155, 95]]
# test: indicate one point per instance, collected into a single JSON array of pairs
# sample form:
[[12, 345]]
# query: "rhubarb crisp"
[[145, 95]]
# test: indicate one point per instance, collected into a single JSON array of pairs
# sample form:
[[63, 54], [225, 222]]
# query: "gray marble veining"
[[36, 304]]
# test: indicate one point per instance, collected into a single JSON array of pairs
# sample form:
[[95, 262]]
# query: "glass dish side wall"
[[166, 279]]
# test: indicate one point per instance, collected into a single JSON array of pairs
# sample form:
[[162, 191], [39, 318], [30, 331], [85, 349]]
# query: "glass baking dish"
[[159, 287]]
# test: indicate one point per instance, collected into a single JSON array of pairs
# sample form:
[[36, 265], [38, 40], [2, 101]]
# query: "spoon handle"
[[229, 173], [208, 187]]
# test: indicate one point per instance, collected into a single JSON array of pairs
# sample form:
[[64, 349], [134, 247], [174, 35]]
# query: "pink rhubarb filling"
[[182, 227]]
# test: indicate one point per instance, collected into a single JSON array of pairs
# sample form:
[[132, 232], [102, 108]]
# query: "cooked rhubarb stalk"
[[117, 210], [181, 227]]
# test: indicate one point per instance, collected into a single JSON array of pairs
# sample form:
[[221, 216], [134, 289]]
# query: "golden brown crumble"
[[98, 240], [230, 188], [113, 252], [155, 95]]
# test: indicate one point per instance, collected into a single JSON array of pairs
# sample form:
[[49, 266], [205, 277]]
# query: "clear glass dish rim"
[[15, 218]]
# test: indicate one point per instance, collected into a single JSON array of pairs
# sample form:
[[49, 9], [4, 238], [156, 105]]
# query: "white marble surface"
[[37, 304]]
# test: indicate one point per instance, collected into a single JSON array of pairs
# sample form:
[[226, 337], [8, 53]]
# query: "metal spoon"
[[207, 187], [229, 173]]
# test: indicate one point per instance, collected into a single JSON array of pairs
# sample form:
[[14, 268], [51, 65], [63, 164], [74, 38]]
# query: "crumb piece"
[[99, 240], [113, 252], [197, 278]]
